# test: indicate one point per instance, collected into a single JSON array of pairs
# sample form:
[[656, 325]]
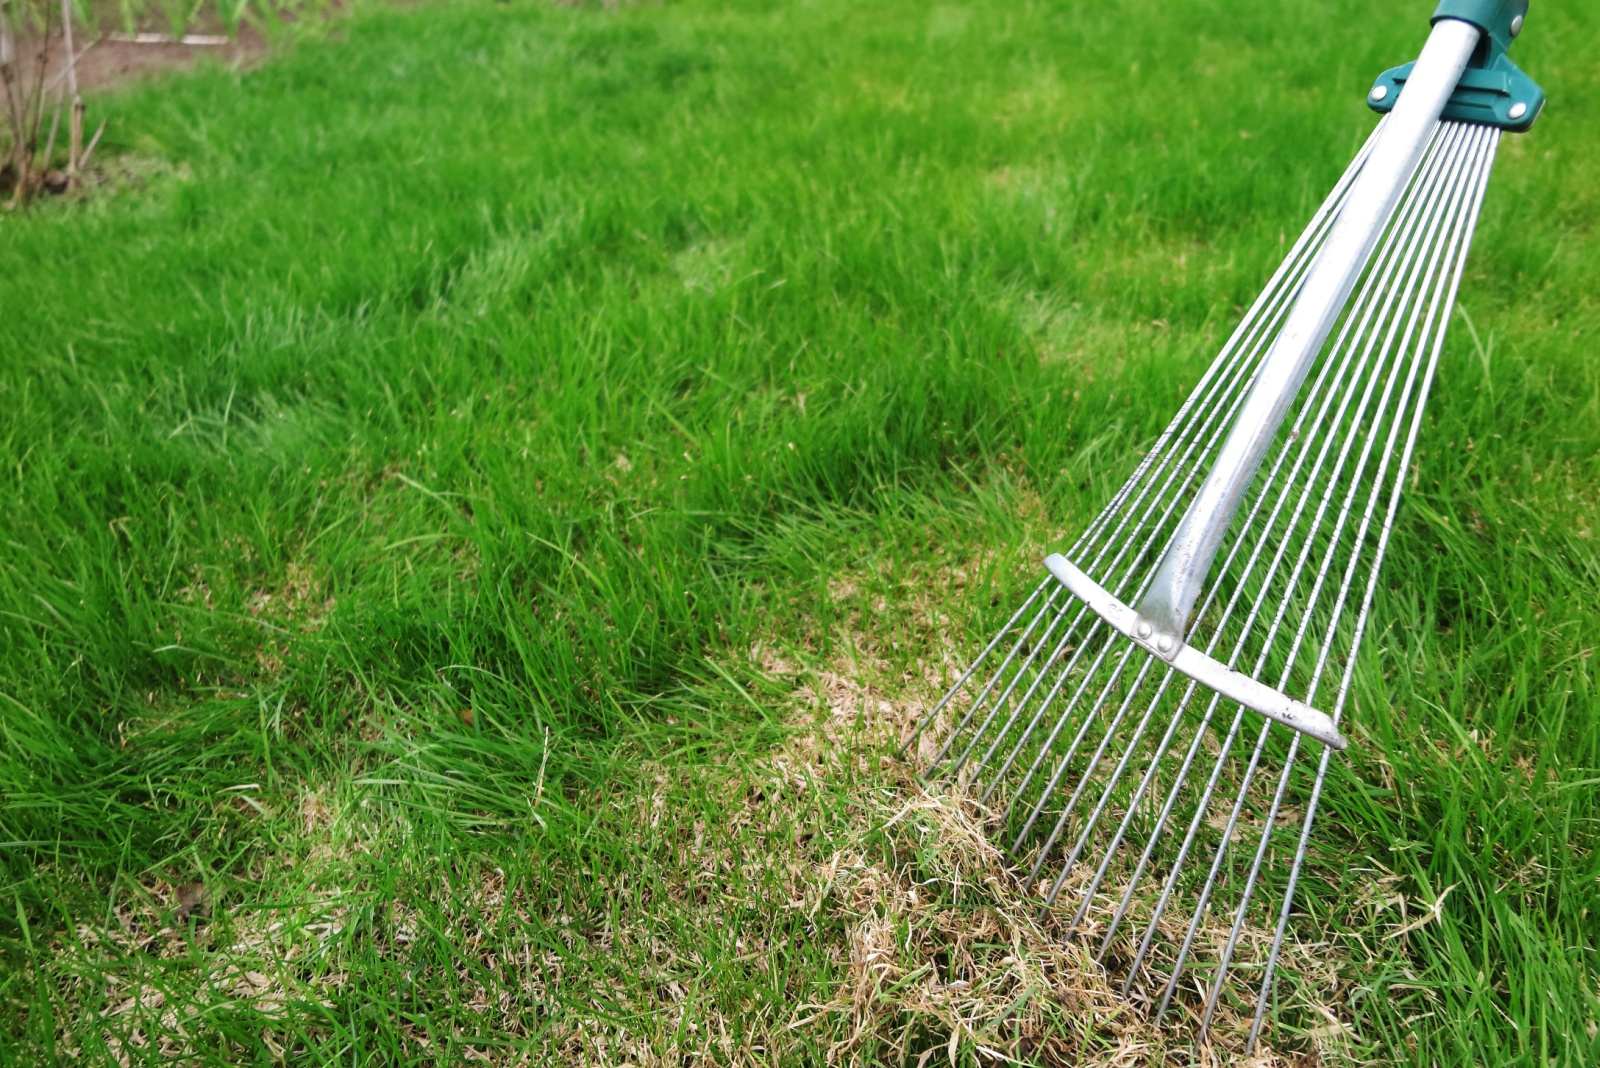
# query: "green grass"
[[398, 481]]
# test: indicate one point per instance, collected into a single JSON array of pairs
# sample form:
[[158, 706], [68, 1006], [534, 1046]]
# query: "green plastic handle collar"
[[1493, 90], [1500, 19]]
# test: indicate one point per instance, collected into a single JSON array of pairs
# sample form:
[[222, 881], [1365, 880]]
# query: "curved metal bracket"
[[1498, 94], [1493, 90], [1234, 685]]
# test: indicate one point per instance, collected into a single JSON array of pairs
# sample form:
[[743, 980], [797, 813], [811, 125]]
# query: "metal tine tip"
[[1170, 825]]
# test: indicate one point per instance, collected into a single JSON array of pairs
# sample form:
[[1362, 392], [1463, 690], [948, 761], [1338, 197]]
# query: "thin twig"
[[8, 74], [35, 103], [32, 113], [75, 123], [203, 40], [57, 78], [50, 145], [95, 140]]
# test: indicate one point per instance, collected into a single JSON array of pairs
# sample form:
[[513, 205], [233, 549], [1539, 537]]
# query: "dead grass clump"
[[946, 956], [1031, 988]]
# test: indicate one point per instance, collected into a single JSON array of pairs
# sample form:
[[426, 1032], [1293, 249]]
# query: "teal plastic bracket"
[[1493, 90]]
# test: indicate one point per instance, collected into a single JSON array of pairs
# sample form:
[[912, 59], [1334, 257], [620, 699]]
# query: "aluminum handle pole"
[[1172, 594]]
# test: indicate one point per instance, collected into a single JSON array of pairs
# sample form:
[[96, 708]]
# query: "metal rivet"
[[1143, 630], [1518, 110], [1379, 92], [1164, 643], [1516, 25]]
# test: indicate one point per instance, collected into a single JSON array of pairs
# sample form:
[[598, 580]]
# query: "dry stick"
[[75, 137], [33, 106], [32, 111], [50, 144], [95, 140], [8, 74], [61, 75]]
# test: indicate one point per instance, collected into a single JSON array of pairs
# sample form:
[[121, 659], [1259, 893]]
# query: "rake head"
[[1161, 800]]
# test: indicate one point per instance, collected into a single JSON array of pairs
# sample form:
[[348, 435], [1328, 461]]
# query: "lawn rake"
[[1136, 730]]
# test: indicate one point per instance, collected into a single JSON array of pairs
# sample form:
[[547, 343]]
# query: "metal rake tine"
[[1288, 902], [962, 681], [1072, 750], [1161, 819], [1227, 832], [1349, 442], [1062, 678], [1216, 866], [1083, 784], [1061, 721], [1039, 677], [973, 667], [1022, 702], [1177, 865], [998, 675], [1199, 813], [1110, 852], [1482, 166], [1250, 881], [1424, 257]]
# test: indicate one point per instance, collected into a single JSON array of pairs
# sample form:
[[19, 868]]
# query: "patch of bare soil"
[[113, 59], [112, 62]]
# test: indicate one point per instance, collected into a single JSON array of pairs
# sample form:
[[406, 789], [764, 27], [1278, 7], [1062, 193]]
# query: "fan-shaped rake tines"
[[1160, 820]]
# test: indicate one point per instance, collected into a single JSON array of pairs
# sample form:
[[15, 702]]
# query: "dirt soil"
[[110, 61]]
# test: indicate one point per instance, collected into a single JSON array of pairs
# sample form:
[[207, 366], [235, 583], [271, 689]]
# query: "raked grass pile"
[[480, 508]]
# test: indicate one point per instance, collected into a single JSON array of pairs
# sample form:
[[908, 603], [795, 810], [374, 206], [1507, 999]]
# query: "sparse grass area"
[[478, 513]]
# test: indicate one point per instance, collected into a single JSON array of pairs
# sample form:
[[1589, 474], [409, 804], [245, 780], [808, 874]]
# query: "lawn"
[[486, 492]]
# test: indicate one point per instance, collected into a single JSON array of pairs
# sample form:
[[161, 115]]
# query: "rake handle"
[[1167, 604]]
